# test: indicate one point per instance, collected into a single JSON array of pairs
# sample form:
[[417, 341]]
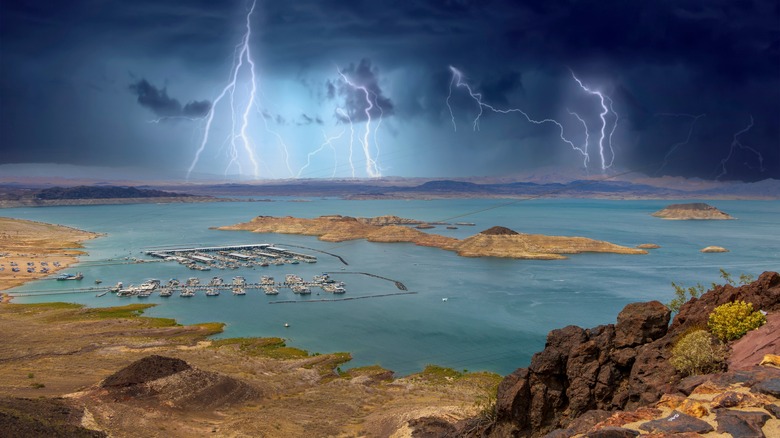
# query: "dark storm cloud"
[[162, 105], [363, 97], [719, 57]]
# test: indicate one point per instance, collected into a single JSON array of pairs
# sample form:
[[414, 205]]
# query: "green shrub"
[[732, 320], [696, 353], [680, 295]]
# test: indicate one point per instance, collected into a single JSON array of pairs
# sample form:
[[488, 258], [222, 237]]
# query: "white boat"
[[238, 290], [187, 292], [301, 289], [270, 290], [212, 292]]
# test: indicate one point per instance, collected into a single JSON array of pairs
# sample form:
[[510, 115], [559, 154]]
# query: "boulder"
[[677, 422], [742, 424], [640, 323], [768, 387], [612, 432]]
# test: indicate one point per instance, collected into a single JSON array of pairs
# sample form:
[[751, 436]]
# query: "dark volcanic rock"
[[621, 366], [677, 422], [773, 409], [145, 370], [612, 432], [432, 427], [171, 382], [768, 387], [742, 424], [499, 231], [640, 323]]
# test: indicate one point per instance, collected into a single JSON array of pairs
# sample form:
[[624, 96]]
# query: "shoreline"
[[42, 244]]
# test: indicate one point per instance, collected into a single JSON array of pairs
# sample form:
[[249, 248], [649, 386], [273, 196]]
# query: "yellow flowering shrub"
[[732, 320]]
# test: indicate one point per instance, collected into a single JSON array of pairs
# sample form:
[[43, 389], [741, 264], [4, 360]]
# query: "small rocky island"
[[494, 242], [692, 211]]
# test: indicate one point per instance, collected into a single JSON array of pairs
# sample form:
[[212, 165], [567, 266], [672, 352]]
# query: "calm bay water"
[[497, 312]]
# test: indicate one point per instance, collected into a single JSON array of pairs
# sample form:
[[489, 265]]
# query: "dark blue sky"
[[690, 88]]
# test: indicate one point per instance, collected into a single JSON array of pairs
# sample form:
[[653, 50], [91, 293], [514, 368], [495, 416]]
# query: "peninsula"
[[692, 211], [494, 242], [31, 250]]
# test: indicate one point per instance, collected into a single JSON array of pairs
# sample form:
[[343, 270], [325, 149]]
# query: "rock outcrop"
[[167, 381], [713, 249], [692, 211], [619, 366]]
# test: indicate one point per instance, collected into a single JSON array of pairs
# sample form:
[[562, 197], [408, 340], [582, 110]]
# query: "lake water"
[[497, 312]]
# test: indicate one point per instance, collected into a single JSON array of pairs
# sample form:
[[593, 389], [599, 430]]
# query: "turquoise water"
[[497, 312]]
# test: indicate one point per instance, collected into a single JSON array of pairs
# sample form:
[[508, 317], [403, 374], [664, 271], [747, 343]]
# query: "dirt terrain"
[[241, 387]]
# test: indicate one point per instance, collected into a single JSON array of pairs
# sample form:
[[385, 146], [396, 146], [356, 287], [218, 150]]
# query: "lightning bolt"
[[584, 148], [344, 114], [371, 166], [280, 141], [682, 143], [604, 111], [242, 54], [458, 82], [328, 142], [736, 144]]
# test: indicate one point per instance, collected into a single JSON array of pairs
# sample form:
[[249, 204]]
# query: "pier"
[[231, 256]]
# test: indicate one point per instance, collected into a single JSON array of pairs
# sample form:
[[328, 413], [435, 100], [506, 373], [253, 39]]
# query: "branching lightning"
[[239, 131], [328, 142], [682, 143], [344, 114], [605, 110], [457, 81], [371, 163], [737, 144]]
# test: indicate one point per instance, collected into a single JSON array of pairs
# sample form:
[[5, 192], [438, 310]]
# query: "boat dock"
[[231, 256]]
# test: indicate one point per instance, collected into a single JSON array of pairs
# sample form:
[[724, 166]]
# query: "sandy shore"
[[36, 245]]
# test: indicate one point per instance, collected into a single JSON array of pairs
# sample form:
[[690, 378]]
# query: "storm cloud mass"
[[80, 81]]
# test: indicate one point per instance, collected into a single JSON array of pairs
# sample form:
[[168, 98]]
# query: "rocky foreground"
[[692, 211], [615, 380], [494, 242]]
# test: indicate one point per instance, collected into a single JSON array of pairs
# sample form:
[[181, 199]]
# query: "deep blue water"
[[497, 312]]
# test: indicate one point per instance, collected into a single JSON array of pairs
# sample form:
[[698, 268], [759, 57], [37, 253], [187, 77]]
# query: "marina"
[[214, 286], [231, 257]]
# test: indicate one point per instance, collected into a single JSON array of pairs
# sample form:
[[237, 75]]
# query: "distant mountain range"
[[16, 194], [415, 189], [102, 192]]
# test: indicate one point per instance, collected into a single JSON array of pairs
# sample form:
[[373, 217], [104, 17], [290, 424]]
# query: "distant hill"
[[102, 192]]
